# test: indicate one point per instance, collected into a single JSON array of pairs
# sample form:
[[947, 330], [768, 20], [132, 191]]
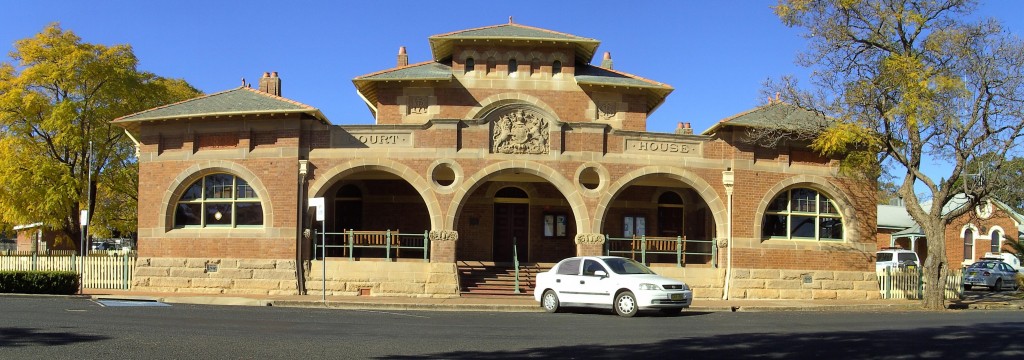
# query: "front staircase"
[[488, 279]]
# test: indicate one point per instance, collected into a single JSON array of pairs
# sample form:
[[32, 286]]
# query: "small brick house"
[[970, 235], [506, 147]]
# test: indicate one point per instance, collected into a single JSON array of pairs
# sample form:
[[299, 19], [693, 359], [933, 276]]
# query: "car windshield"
[[627, 266], [984, 265]]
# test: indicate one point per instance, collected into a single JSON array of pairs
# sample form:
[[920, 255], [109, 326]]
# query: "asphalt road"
[[66, 328]]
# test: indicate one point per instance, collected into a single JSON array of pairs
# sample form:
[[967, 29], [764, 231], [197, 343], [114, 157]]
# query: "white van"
[[1008, 258], [895, 258]]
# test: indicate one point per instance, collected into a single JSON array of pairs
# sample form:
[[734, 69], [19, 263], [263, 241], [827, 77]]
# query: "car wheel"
[[625, 304], [671, 311], [999, 285], [550, 301], [967, 287]]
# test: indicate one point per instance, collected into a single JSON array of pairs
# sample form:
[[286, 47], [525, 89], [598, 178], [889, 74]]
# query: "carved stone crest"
[[589, 238], [444, 235], [606, 110], [417, 105], [520, 132]]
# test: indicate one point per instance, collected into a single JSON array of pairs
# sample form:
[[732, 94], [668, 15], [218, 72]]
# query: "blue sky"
[[716, 54]]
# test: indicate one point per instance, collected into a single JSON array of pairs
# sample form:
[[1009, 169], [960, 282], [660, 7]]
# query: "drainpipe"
[[300, 271], [728, 180]]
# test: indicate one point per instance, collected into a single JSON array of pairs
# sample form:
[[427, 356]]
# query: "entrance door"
[[511, 223], [670, 221]]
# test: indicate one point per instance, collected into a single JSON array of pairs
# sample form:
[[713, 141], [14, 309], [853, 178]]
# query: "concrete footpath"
[[527, 304]]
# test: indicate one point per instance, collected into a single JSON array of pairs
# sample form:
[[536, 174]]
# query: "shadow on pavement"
[[15, 336], [991, 341]]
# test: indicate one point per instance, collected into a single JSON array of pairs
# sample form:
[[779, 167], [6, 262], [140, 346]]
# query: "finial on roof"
[[243, 82], [510, 20], [777, 96]]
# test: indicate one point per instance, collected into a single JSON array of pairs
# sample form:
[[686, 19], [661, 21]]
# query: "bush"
[[39, 282]]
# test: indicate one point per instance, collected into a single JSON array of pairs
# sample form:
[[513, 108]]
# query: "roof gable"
[[441, 45]]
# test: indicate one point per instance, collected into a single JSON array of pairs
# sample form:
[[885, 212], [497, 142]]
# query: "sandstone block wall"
[[709, 283], [232, 276], [379, 278]]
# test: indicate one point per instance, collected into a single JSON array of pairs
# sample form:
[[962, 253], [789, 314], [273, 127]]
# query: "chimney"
[[270, 84], [403, 58], [684, 129], [607, 61]]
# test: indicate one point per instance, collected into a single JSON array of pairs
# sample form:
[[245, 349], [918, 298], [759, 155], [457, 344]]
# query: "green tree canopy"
[[57, 96], [909, 81]]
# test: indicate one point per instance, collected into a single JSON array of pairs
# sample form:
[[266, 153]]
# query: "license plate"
[[677, 297]]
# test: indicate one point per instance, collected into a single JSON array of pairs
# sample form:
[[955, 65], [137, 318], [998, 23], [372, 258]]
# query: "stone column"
[[589, 244], [442, 245]]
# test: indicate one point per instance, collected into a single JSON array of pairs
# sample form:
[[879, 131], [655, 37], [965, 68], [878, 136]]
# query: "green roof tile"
[[512, 31], [423, 71], [589, 74], [240, 100], [775, 116]]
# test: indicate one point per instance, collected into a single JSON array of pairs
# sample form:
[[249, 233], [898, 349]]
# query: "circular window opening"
[[590, 179], [443, 174]]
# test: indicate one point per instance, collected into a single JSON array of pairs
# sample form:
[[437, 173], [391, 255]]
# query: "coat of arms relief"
[[520, 132]]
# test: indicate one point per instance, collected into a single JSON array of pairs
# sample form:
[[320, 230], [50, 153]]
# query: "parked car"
[[895, 258], [622, 284], [993, 274]]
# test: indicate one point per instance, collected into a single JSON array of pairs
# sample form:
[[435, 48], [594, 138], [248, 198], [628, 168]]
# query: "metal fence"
[[677, 249], [385, 244], [99, 270], [908, 283]]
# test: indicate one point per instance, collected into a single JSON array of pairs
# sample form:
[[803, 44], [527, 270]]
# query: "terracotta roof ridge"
[[515, 25], [634, 76], [177, 103], [281, 98], [396, 69]]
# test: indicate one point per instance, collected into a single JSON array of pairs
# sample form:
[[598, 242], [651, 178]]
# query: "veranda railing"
[[638, 248], [348, 242], [908, 283], [99, 270]]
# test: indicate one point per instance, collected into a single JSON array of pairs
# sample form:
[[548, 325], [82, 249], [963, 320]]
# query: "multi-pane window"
[[218, 200], [969, 244], [802, 214]]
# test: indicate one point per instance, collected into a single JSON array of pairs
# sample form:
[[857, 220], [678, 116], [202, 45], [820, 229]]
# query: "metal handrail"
[[515, 261], [349, 243], [679, 241]]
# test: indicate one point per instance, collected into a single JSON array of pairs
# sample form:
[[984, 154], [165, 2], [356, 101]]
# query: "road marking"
[[129, 303]]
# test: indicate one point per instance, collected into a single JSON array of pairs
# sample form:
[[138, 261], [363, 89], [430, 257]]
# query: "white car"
[[624, 285]]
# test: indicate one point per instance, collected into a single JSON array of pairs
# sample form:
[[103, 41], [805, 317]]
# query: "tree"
[[57, 98], [907, 81]]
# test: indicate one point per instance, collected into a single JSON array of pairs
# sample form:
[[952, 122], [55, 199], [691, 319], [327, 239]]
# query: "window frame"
[[817, 215], [203, 200]]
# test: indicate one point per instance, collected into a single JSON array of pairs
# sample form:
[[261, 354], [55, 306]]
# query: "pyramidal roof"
[[237, 101], [442, 45]]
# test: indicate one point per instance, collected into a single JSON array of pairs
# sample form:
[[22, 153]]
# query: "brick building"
[[508, 146]]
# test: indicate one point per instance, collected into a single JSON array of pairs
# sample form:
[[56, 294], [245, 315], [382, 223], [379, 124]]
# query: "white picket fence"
[[907, 284], [99, 270]]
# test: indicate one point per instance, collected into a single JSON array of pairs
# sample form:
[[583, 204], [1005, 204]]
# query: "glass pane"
[[802, 226], [218, 214], [218, 186], [831, 228], [248, 213], [569, 267], [774, 226], [779, 204], [243, 190], [187, 214], [804, 200], [996, 241], [195, 191], [827, 206]]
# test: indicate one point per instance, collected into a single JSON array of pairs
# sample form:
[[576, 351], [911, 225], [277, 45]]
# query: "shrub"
[[39, 282]]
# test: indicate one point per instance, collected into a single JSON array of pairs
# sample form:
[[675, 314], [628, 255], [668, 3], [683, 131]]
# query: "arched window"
[[556, 67], [802, 214], [513, 66], [997, 241], [969, 244], [470, 65], [218, 200]]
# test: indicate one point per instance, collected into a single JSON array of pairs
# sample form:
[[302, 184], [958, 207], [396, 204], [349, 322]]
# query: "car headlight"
[[686, 287], [649, 286]]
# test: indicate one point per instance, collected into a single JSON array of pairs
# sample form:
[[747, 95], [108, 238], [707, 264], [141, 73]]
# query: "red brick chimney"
[[607, 61], [403, 58], [270, 84], [684, 129]]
